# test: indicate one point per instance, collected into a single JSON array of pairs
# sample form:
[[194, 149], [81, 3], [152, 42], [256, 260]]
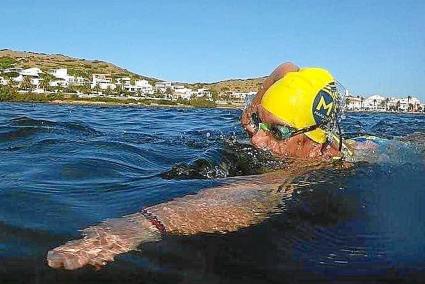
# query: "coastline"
[[163, 105], [128, 104]]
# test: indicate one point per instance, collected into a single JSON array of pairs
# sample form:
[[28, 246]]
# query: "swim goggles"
[[280, 131]]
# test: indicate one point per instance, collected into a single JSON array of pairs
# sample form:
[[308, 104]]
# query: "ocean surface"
[[63, 168]]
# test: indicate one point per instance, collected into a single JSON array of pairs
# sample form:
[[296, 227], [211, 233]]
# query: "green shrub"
[[202, 103], [6, 62]]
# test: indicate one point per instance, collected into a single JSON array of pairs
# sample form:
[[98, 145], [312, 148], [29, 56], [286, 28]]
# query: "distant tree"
[[11, 84], [157, 95], [46, 78], [85, 88], [119, 89], [70, 89], [387, 100], [397, 106], [27, 84], [7, 62], [109, 91], [97, 89], [347, 101], [214, 95], [410, 107], [10, 75], [44, 84]]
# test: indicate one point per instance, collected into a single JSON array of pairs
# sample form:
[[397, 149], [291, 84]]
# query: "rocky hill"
[[85, 68], [75, 66], [236, 85]]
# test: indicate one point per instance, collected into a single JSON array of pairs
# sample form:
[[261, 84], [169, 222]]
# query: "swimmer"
[[294, 115]]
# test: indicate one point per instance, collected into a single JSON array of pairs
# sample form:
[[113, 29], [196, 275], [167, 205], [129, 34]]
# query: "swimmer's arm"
[[276, 75], [221, 209], [212, 210]]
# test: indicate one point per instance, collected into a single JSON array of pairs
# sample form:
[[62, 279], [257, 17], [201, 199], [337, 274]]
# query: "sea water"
[[64, 168]]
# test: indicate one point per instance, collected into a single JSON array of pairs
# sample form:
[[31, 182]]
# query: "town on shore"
[[380, 103], [104, 87]]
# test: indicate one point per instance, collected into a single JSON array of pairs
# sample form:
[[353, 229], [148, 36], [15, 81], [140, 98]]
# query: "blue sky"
[[370, 46]]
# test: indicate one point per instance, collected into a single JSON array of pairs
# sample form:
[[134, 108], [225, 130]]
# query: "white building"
[[404, 104], [61, 73], [125, 81], [163, 86], [392, 103], [18, 79], [353, 103], [140, 86], [32, 72], [13, 70], [143, 86], [375, 102], [240, 97], [3, 81], [409, 104], [183, 93], [104, 82], [63, 79], [203, 93]]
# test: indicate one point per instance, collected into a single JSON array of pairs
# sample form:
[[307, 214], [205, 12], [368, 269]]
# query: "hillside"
[[236, 85], [75, 66], [85, 68]]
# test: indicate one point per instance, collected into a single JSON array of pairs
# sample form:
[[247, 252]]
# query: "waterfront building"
[[183, 93], [125, 81], [141, 86], [353, 103], [163, 86], [240, 97], [375, 102], [62, 78], [104, 81], [409, 104], [203, 93]]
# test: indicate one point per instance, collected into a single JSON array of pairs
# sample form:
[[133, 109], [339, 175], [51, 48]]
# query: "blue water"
[[63, 168]]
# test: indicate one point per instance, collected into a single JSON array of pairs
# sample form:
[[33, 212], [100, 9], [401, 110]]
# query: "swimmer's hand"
[[101, 243], [246, 119]]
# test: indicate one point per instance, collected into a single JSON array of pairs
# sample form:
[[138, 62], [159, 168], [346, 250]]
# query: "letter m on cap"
[[322, 105]]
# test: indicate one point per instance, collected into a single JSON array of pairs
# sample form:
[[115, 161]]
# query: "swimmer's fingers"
[[101, 243], [246, 120], [96, 251], [69, 256]]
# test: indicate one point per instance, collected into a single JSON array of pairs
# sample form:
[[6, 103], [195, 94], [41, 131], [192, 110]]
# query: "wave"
[[232, 159]]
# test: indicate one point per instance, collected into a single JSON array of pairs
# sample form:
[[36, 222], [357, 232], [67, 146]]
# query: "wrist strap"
[[154, 221]]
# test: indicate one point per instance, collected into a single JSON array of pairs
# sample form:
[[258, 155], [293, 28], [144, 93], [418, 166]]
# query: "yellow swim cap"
[[303, 99]]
